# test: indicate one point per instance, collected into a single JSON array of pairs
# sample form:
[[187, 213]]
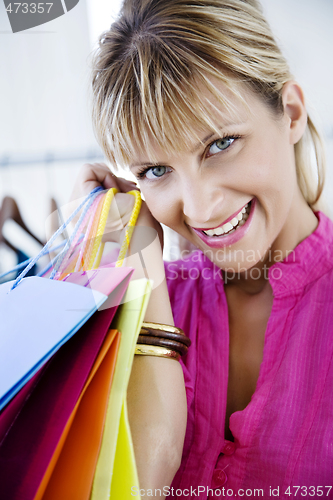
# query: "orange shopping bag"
[[70, 473]]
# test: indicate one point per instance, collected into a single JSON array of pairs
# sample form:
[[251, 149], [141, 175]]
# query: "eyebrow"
[[194, 150], [146, 164], [209, 136], [203, 141]]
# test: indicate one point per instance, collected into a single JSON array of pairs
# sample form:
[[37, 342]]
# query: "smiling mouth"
[[232, 225]]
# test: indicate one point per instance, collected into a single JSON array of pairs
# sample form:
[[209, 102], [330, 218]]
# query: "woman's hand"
[[99, 175]]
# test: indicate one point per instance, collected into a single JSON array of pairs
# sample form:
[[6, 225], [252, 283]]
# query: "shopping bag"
[[31, 441], [50, 414], [70, 473], [71, 479], [36, 318], [9, 413], [113, 456], [40, 315]]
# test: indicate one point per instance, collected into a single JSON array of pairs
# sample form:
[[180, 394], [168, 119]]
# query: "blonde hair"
[[147, 68]]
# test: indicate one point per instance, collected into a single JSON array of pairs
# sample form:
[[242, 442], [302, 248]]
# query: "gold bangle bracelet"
[[154, 350], [162, 334], [162, 342], [164, 328]]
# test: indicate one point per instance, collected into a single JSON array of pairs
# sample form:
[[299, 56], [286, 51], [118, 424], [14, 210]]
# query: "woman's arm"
[[157, 415], [156, 393]]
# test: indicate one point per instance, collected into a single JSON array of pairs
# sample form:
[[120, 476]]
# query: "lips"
[[231, 230], [223, 223]]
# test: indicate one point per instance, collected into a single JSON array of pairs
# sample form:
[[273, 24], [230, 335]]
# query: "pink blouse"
[[284, 437]]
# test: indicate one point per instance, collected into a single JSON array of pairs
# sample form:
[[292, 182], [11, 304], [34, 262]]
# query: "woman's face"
[[235, 195]]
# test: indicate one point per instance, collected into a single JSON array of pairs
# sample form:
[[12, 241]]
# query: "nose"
[[201, 202]]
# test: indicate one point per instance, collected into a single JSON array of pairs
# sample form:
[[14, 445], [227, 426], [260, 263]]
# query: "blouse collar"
[[311, 258]]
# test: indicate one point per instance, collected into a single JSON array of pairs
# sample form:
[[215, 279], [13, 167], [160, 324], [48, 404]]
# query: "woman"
[[198, 101]]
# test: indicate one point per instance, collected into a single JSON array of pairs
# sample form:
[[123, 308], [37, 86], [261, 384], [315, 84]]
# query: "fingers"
[[95, 175], [99, 174], [124, 185]]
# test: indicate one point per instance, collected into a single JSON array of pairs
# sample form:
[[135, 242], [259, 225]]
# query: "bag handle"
[[130, 227], [92, 246], [68, 247], [61, 229], [96, 251]]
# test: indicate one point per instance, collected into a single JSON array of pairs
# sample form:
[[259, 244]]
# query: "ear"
[[294, 110]]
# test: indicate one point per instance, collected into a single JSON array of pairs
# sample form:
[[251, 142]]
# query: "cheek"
[[271, 169], [160, 206]]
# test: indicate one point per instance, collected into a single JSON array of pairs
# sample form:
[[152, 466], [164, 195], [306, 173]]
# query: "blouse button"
[[229, 448], [219, 478]]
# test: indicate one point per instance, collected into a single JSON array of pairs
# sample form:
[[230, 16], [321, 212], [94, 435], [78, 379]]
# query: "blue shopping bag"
[[36, 318]]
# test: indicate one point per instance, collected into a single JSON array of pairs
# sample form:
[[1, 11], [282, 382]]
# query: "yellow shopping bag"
[[116, 472]]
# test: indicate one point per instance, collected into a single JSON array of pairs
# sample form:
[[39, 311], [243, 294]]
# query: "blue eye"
[[156, 171], [220, 145], [153, 173]]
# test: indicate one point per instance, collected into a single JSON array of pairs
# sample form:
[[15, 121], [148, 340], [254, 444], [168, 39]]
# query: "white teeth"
[[219, 231], [227, 227], [238, 221]]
